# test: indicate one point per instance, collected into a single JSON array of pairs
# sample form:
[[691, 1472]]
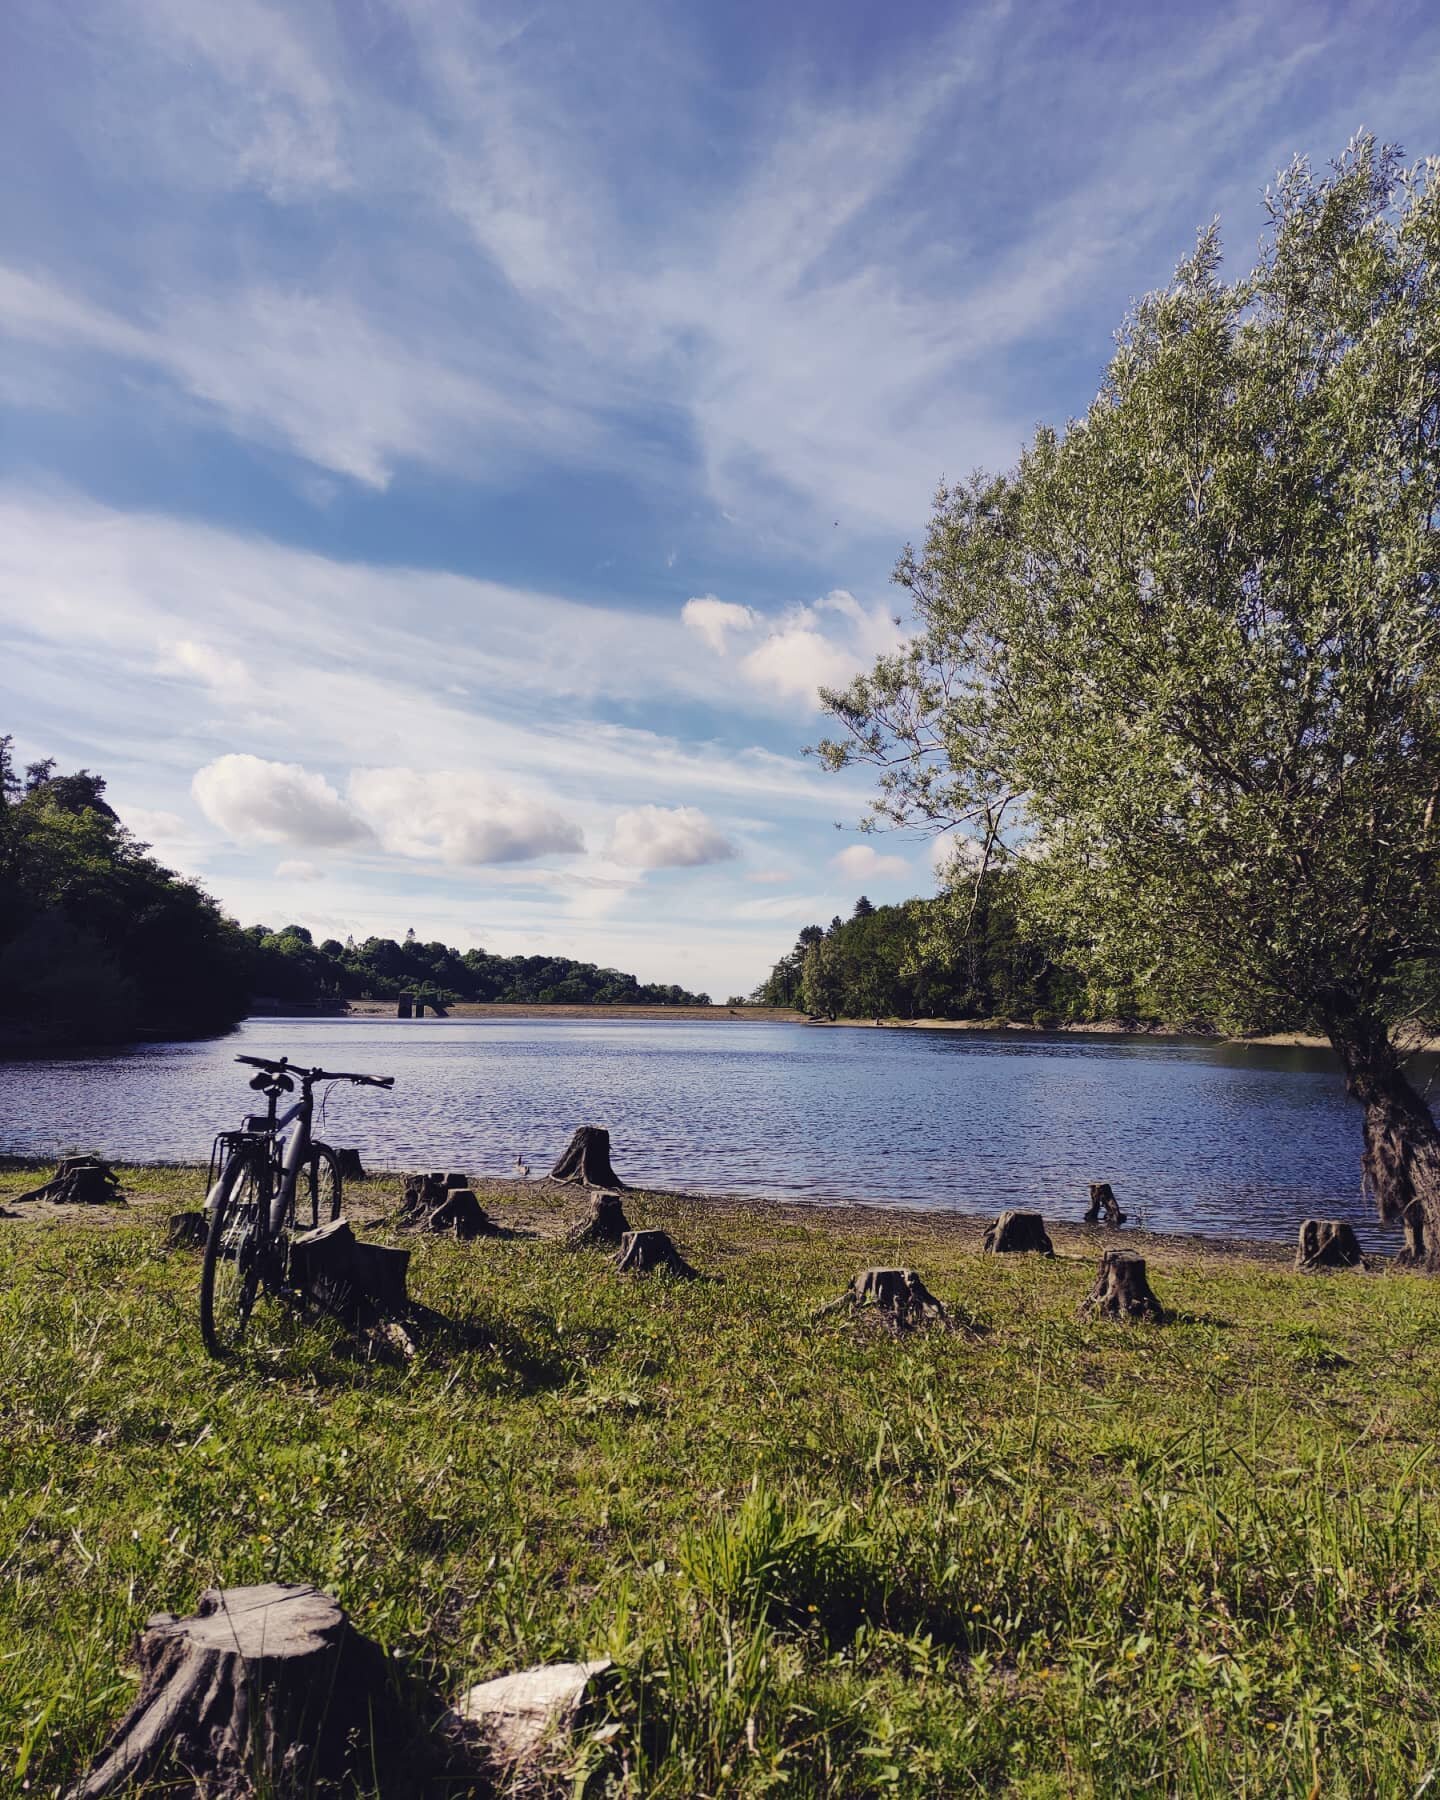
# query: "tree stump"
[[1122, 1291], [899, 1293], [332, 1266], [459, 1211], [422, 1192], [1103, 1201], [187, 1230], [644, 1252], [350, 1166], [1327, 1244], [267, 1687], [606, 1226], [79, 1181], [1018, 1232], [586, 1159]]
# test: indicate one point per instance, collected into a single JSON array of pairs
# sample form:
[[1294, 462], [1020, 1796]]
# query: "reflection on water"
[[1192, 1135]]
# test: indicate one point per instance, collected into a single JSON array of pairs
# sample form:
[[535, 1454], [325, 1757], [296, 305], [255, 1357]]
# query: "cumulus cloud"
[[157, 827], [823, 643], [712, 619], [214, 667], [255, 801], [860, 863], [460, 817], [661, 837], [299, 870]]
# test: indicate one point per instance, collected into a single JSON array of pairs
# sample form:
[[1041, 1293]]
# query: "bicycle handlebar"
[[285, 1067]]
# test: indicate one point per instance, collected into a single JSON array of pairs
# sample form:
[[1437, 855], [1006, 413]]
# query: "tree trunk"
[[1102, 1200], [586, 1159], [1122, 1290], [1401, 1163], [646, 1252], [606, 1226], [264, 1686], [1019, 1232]]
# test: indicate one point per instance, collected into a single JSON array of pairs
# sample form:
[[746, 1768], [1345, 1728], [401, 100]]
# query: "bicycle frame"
[[293, 1158]]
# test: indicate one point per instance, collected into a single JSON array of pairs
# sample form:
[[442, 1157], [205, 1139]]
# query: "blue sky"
[[445, 445]]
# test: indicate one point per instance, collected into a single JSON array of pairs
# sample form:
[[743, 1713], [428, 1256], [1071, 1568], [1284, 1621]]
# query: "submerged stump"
[[266, 1688], [1327, 1244], [1104, 1207], [586, 1159], [606, 1226], [1122, 1291], [650, 1252], [1019, 1232], [899, 1293]]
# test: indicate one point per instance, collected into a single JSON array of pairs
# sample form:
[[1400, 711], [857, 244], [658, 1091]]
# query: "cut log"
[[1327, 1244], [79, 1181], [187, 1230], [1103, 1205], [645, 1252], [1122, 1291], [333, 1267], [263, 1688], [515, 1717], [606, 1226], [586, 1159], [350, 1166], [1019, 1232], [900, 1293]]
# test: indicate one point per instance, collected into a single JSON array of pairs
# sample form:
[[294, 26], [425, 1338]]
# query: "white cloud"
[[156, 826], [660, 837], [460, 817], [861, 863], [255, 801], [770, 876], [714, 619], [952, 853], [214, 667], [298, 870]]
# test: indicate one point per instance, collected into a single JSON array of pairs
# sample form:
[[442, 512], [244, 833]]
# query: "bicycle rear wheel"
[[317, 1189], [234, 1253]]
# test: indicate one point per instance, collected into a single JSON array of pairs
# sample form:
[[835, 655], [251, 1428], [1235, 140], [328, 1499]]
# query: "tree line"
[[99, 941], [961, 954]]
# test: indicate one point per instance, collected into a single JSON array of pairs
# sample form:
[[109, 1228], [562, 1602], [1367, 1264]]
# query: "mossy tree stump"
[[652, 1252], [263, 1688], [899, 1293], [1122, 1291], [606, 1227], [1104, 1207], [1327, 1244], [1018, 1233], [586, 1159]]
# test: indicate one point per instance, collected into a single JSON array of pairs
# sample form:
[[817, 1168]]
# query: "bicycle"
[[267, 1186]]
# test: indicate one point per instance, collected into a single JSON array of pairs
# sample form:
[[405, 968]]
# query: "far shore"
[[783, 1015]]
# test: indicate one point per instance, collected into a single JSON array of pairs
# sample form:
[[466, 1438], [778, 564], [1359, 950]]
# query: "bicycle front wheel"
[[234, 1254], [317, 1189]]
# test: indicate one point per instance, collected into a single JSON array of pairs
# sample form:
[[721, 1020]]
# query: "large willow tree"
[[1182, 664]]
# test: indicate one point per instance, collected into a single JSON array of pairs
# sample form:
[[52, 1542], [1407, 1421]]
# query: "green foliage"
[[960, 955], [1066, 1558], [1186, 655], [97, 939]]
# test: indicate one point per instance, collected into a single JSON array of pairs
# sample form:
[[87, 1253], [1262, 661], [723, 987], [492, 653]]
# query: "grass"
[[1061, 1558]]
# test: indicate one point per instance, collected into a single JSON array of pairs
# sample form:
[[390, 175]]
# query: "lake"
[[1193, 1135]]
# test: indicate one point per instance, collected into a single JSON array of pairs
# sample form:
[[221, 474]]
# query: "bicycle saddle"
[[263, 1082]]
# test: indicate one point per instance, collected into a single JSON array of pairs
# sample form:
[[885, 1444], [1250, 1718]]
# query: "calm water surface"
[[1195, 1136]]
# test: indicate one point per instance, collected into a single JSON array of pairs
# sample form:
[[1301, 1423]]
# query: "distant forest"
[[100, 942], [954, 956]]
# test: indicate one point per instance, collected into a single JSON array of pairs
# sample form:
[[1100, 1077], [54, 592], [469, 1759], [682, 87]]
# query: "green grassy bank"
[[1057, 1558]]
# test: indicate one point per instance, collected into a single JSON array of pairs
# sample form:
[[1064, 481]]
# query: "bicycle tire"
[[328, 1188], [317, 1196], [235, 1242]]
